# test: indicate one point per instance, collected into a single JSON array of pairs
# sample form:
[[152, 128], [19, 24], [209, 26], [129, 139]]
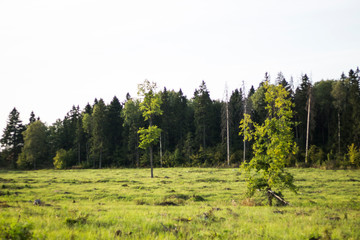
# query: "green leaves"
[[273, 143], [151, 100], [35, 148], [149, 136], [150, 106]]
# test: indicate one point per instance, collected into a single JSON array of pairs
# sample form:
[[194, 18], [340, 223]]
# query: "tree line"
[[184, 131]]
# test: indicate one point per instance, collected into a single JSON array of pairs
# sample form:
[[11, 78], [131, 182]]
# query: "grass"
[[179, 203]]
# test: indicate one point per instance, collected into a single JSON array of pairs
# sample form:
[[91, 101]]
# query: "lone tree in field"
[[273, 144], [150, 106]]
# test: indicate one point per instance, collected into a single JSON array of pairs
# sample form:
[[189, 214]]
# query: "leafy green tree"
[[132, 122], [150, 106], [87, 123], [35, 150], [98, 131], [12, 138], [273, 143], [81, 140], [339, 93], [258, 104], [63, 158]]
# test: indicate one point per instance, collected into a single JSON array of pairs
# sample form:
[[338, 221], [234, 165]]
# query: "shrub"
[[79, 220], [63, 158], [353, 156], [316, 156], [23, 162], [21, 231], [237, 156]]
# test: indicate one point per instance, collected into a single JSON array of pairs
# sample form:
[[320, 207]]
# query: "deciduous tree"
[[273, 143], [35, 150], [150, 106]]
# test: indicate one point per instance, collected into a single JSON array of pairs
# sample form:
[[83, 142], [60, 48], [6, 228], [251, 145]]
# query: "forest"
[[194, 131]]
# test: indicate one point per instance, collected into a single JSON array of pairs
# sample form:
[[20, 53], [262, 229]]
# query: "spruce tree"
[[12, 138]]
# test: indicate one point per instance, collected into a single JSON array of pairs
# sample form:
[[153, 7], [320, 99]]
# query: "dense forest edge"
[[326, 129]]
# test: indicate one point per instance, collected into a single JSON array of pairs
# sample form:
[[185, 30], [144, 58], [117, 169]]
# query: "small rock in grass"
[[37, 202]]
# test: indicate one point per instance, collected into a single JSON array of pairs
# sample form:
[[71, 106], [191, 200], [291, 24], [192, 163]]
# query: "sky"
[[56, 54]]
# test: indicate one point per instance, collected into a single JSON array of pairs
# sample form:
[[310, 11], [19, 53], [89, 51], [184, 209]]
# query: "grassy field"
[[179, 203]]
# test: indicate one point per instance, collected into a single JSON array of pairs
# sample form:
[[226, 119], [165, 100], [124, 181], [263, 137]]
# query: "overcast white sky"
[[55, 54]]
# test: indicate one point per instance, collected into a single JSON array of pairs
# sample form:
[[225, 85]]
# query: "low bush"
[[17, 230]]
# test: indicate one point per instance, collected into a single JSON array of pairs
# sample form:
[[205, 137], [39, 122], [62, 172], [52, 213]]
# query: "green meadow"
[[178, 203]]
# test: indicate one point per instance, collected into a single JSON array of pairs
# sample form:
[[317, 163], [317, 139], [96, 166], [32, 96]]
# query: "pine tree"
[[202, 104], [114, 131], [301, 100], [98, 131], [12, 138], [32, 117]]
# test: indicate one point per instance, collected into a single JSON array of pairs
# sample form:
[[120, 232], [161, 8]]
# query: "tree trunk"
[[307, 131], [227, 132], [137, 151], [151, 151], [87, 154], [160, 152], [100, 158], [151, 161], [339, 135], [270, 196], [79, 154], [204, 142], [244, 152]]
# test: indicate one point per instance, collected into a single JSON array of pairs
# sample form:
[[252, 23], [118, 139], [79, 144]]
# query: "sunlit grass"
[[179, 203]]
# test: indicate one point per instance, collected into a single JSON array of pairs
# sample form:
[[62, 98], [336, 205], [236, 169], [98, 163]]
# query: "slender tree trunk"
[[151, 151], [204, 142], [270, 197], [87, 154], [227, 132], [307, 131], [100, 158], [244, 152], [79, 154], [339, 133], [160, 152], [137, 150], [13, 160], [151, 161]]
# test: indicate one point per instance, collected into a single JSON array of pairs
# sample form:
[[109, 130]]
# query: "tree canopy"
[[106, 134]]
